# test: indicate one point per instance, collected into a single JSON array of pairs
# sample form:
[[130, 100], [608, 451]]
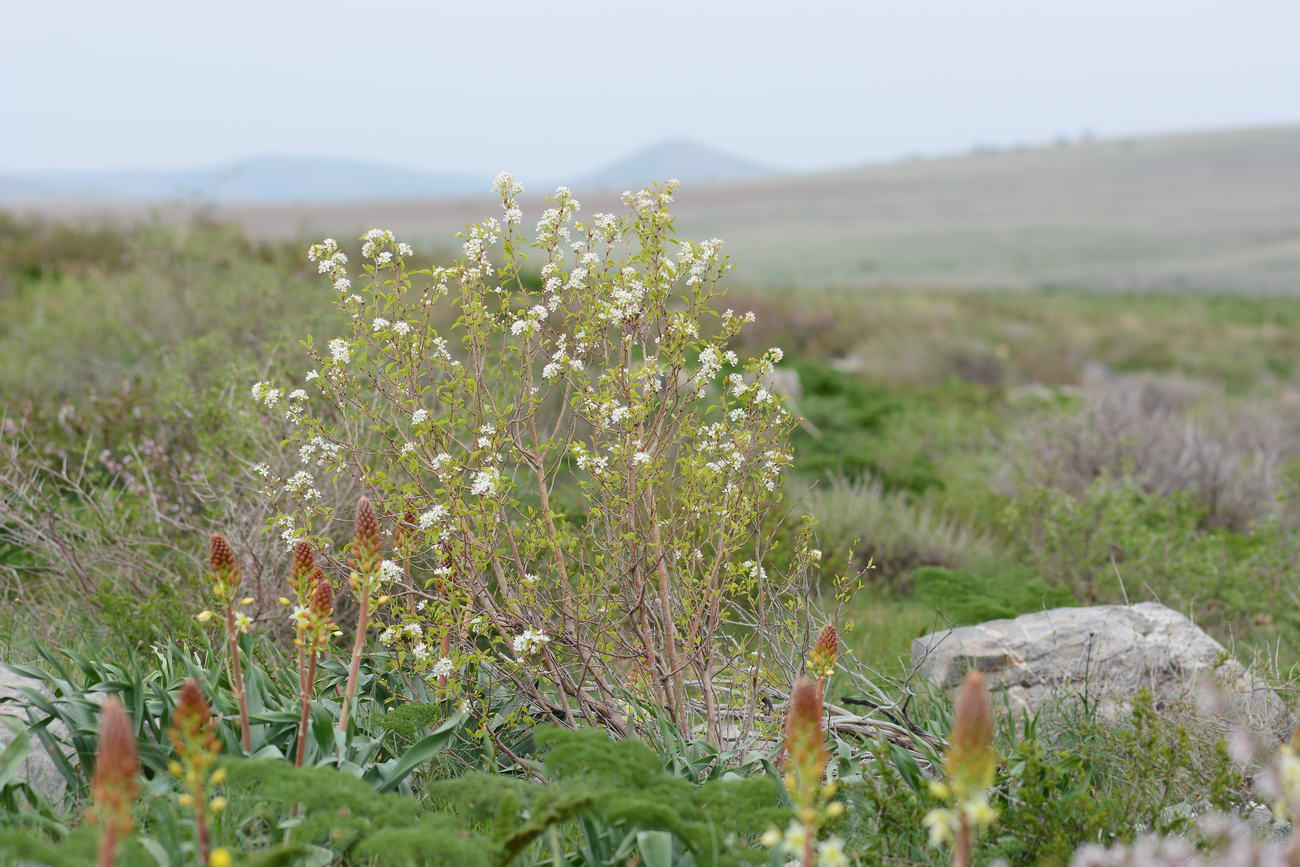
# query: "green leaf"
[[656, 848], [17, 750], [421, 752]]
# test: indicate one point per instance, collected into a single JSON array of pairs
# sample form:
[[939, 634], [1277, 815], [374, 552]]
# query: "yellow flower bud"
[[382, 599], [203, 616], [218, 776], [834, 808], [185, 799], [284, 601], [218, 804], [220, 858], [247, 600], [175, 767]]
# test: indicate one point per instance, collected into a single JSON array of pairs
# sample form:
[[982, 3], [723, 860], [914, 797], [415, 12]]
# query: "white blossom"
[[390, 571], [433, 516], [485, 482], [530, 641]]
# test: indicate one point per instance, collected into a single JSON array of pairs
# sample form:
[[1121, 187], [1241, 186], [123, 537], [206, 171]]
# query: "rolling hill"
[[283, 179], [1209, 211], [688, 161]]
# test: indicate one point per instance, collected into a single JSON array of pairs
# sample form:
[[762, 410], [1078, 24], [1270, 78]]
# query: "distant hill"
[[688, 161], [1205, 211], [259, 179]]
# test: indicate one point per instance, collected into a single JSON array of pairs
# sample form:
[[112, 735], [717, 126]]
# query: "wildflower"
[[265, 394], [969, 764], [225, 576], [197, 747], [506, 185], [366, 574], [485, 482], [821, 662], [530, 641], [433, 516], [390, 571], [830, 853], [114, 786]]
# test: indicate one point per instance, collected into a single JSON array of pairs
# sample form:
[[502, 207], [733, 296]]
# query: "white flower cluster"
[[530, 641], [561, 360], [340, 351], [420, 416], [264, 394], [330, 260], [390, 571], [380, 246], [433, 517], [481, 237], [319, 449], [393, 634], [554, 222], [698, 260], [530, 321], [625, 299], [711, 362], [485, 482], [651, 203], [594, 464], [507, 186], [444, 667], [301, 483]]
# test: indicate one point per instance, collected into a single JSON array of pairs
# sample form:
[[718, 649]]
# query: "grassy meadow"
[[966, 455]]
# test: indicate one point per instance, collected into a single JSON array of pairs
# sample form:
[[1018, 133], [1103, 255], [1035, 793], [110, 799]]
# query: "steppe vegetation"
[[510, 560]]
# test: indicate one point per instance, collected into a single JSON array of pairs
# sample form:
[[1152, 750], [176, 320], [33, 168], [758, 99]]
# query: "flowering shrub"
[[571, 479]]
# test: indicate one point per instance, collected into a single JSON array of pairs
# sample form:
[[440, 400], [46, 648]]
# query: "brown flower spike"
[[821, 662], [197, 749], [366, 541], [226, 577], [322, 597], [301, 569], [222, 559], [366, 564], [970, 757], [807, 749], [114, 786]]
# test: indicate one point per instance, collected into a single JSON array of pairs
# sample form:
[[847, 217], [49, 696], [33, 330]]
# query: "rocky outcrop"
[[1106, 653], [37, 768]]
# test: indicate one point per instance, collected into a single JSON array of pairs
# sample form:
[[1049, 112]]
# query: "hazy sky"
[[554, 88]]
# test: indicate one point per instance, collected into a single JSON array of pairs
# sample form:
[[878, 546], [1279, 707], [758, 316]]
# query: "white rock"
[[1106, 653], [38, 769]]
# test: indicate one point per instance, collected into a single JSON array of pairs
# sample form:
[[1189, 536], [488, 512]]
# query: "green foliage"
[[850, 420], [1063, 782], [976, 596], [1118, 543]]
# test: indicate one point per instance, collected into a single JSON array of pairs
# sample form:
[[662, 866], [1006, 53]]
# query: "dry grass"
[[1147, 428]]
